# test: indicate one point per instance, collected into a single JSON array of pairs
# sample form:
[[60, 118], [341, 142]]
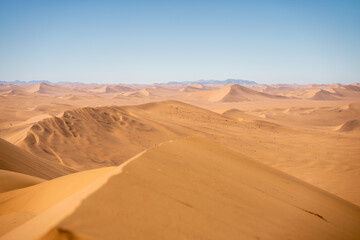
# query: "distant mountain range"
[[227, 81]]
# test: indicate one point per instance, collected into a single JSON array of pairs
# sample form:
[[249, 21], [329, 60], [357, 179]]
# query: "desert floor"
[[90, 161]]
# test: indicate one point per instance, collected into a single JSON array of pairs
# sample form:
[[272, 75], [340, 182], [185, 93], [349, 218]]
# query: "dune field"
[[179, 161]]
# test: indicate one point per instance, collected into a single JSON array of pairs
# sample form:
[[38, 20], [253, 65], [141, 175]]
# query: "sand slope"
[[194, 189], [87, 138], [15, 159], [350, 126], [194, 88], [18, 206], [233, 93], [117, 132], [324, 95], [13, 180], [111, 89], [41, 88]]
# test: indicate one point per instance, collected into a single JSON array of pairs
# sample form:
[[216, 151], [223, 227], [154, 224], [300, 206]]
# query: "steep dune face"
[[234, 93], [13, 158], [324, 95], [31, 89], [45, 88], [194, 189], [350, 126]]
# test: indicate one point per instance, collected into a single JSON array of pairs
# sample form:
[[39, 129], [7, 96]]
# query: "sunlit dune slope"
[[107, 136], [120, 132], [194, 189], [18, 206], [13, 158]]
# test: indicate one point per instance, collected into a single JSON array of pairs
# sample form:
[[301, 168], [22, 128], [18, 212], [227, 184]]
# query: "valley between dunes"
[[86, 161]]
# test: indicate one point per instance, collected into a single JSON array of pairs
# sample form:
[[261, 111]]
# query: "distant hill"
[[233, 93], [227, 81]]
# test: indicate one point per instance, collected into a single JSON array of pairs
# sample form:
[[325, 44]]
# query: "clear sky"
[[304, 41]]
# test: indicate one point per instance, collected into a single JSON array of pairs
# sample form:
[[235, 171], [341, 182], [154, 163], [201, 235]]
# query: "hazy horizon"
[[150, 83], [270, 42]]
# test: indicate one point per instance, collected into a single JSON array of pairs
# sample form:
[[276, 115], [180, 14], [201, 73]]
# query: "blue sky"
[[160, 41]]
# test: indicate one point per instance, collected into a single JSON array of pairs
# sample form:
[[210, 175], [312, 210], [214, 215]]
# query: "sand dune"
[[117, 131], [43, 88], [350, 126], [138, 93], [35, 88], [233, 93], [194, 88], [315, 91], [337, 92], [13, 158], [19, 206], [321, 117], [324, 95], [159, 91], [111, 89], [238, 114], [121, 132], [281, 90], [152, 92], [213, 193], [118, 88], [12, 180], [355, 88], [348, 91]]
